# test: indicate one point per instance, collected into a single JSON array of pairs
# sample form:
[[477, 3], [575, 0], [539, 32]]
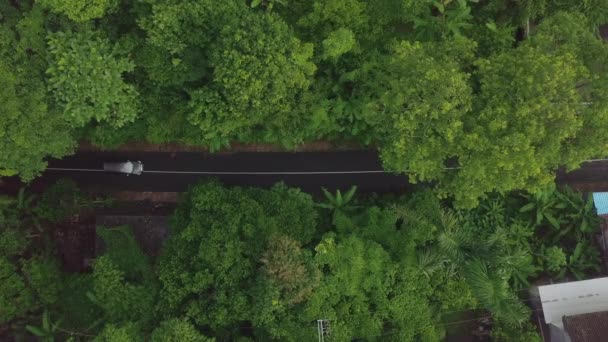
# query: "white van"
[[128, 167]]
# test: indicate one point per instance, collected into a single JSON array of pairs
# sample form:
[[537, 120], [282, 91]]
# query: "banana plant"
[[338, 203], [584, 259], [544, 206], [582, 211], [47, 331]]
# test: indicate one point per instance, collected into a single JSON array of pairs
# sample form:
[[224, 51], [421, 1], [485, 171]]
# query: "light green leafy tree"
[[526, 115], [129, 332], [325, 17], [86, 79], [338, 43], [362, 289], [259, 73], [31, 129], [415, 105], [217, 242], [81, 10], [571, 34], [27, 125], [177, 330]]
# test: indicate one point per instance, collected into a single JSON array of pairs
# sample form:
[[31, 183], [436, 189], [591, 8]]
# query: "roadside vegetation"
[[250, 264], [457, 92]]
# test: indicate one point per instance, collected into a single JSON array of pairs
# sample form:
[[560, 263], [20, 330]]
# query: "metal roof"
[[601, 202], [573, 298]]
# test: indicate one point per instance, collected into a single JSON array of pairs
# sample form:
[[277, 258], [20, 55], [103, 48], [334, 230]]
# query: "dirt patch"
[[75, 243], [150, 231], [604, 32], [153, 197]]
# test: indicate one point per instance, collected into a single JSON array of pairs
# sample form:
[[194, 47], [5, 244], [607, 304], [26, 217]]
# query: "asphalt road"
[[175, 172]]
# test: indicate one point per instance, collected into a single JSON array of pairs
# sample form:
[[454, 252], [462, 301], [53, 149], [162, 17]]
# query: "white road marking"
[[268, 172], [236, 172]]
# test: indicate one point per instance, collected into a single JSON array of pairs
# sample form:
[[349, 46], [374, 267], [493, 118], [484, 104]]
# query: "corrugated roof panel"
[[601, 202], [573, 298]]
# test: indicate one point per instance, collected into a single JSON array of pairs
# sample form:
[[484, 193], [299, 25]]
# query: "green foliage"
[[122, 279], [16, 299], [81, 10], [583, 260], [26, 125], [61, 201], [441, 88], [527, 112], [44, 278], [12, 241], [338, 43], [326, 17], [45, 332], [493, 292], [524, 333], [291, 269], [570, 34], [453, 17], [120, 299], [268, 4], [419, 126], [595, 10], [85, 76], [359, 270], [261, 259], [338, 204], [554, 257], [128, 332], [259, 72], [177, 330], [123, 250], [217, 241], [79, 313]]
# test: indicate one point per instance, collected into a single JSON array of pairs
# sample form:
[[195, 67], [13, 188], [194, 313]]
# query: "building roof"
[[590, 327], [573, 298], [600, 199]]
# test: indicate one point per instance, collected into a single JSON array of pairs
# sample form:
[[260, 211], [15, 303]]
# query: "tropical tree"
[[81, 10], [418, 127], [527, 112], [86, 79], [494, 293], [26, 125], [338, 204]]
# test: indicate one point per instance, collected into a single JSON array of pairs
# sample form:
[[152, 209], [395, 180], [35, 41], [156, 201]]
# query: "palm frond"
[[493, 292], [430, 261]]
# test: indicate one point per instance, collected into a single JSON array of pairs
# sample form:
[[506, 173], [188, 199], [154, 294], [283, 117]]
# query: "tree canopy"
[[471, 96]]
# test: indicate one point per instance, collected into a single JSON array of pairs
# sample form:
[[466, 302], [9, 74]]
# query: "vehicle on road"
[[128, 167]]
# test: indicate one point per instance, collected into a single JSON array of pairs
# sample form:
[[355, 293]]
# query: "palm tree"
[[455, 240], [493, 292]]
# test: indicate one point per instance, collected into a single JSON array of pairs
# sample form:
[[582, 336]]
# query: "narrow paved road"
[[174, 172]]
